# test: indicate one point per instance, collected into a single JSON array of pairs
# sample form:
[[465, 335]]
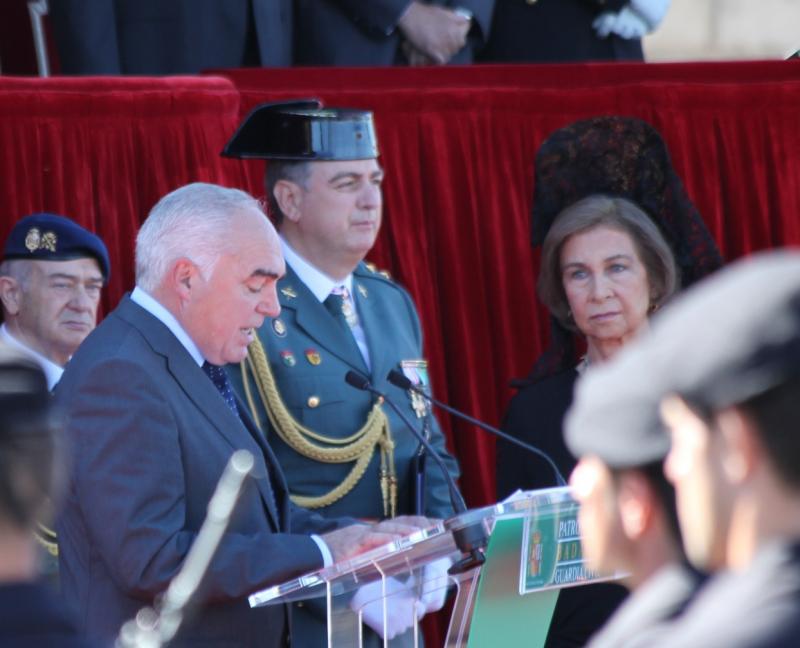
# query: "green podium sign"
[[529, 559]]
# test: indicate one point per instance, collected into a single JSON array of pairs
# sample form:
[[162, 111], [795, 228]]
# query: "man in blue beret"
[[51, 276]]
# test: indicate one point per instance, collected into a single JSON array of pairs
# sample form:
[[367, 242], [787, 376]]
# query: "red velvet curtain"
[[102, 151], [458, 145]]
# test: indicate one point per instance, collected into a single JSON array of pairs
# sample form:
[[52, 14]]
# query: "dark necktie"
[[340, 306], [223, 385]]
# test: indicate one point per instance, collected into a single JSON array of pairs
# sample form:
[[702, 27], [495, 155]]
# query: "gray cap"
[[730, 338]]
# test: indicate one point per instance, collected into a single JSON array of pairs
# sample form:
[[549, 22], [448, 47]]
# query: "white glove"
[[402, 607], [434, 587], [627, 24], [652, 11]]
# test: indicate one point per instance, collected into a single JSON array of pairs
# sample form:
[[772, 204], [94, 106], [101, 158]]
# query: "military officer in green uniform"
[[343, 451]]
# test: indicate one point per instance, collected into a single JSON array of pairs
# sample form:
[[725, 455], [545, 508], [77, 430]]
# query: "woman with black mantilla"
[[617, 157]]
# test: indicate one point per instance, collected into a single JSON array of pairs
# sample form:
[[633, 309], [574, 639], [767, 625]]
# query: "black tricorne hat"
[[304, 130], [50, 237]]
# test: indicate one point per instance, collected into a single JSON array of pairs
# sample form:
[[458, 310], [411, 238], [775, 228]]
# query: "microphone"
[[471, 539], [355, 379], [401, 380]]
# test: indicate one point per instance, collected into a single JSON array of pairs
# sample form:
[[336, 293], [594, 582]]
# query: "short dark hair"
[[292, 170], [615, 213], [776, 413]]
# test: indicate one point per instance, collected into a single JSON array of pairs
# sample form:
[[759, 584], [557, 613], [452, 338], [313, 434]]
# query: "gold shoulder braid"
[[358, 447]]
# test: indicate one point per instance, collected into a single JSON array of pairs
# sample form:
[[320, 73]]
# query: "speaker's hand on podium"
[[360, 538]]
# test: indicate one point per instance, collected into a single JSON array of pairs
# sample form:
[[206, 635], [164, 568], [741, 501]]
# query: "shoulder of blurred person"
[[757, 607], [647, 613]]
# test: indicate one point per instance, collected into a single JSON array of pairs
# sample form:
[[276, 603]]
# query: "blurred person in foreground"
[[30, 613], [664, 245], [390, 32], [152, 422], [726, 382], [343, 451], [627, 516]]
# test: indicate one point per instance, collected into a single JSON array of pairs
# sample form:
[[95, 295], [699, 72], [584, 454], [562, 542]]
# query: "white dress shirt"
[[321, 286]]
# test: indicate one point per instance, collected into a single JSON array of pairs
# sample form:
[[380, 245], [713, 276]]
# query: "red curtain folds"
[[103, 151], [458, 145]]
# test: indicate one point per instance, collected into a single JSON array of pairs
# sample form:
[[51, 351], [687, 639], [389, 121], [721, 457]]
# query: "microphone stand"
[[400, 380], [470, 540], [155, 627]]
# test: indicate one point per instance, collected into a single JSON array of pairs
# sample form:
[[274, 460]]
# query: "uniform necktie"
[[341, 306], [223, 385]]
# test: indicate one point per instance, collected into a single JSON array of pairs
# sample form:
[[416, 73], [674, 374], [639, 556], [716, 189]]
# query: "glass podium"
[[390, 587]]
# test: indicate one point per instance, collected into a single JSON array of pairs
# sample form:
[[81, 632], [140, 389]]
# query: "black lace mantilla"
[[616, 156]]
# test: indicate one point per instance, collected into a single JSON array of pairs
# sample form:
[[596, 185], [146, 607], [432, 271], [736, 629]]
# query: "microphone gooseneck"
[[472, 539], [354, 379], [400, 380]]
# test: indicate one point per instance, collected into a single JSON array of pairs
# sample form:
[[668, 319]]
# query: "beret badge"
[[35, 240]]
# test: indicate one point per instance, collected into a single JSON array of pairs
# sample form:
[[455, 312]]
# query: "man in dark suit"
[[724, 380], [342, 450], [175, 37], [152, 422], [390, 32], [30, 614]]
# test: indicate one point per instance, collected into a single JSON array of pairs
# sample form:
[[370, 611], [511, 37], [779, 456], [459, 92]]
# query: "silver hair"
[[19, 269], [193, 222]]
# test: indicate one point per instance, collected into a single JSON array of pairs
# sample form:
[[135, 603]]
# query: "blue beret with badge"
[[50, 237], [304, 130]]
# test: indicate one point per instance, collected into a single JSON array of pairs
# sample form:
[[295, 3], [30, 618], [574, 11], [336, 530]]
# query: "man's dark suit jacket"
[[149, 436], [31, 616], [555, 31], [170, 36], [359, 32]]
